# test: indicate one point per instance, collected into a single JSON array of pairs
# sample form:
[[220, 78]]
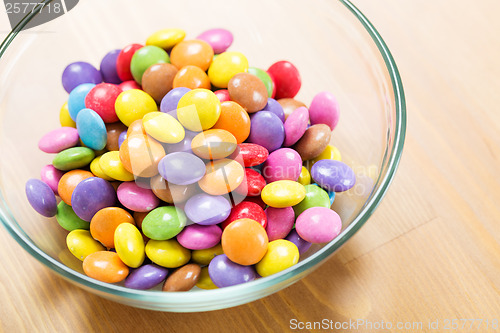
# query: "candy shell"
[[333, 176], [105, 266], [252, 184], [166, 38], [289, 105], [123, 61], [51, 176], [301, 244], [225, 66], [279, 222], [250, 154], [281, 254], [244, 241], [129, 84], [222, 95], [144, 57], [105, 222], [113, 132], [133, 104], [73, 158], [64, 117], [67, 218], [218, 39], [192, 52], [304, 177], [199, 237], [129, 245], [164, 223], [315, 197], [205, 209], [108, 67], [81, 244], [91, 129], [203, 257], [235, 119], [282, 164], [183, 146], [171, 193], [191, 77], [246, 210], [79, 72], [101, 99], [146, 277], [276, 108], [225, 273], [213, 144], [181, 168], [205, 282], [41, 197], [283, 193], [265, 78], [112, 166], [183, 279], [198, 110], [295, 126], [222, 176], [158, 80], [248, 91], [90, 196], [318, 225], [76, 99], [68, 182], [287, 79], [140, 155], [324, 109], [167, 253], [171, 99], [313, 142], [267, 130], [163, 127], [136, 198], [58, 140]]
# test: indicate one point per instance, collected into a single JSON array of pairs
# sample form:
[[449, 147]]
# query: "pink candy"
[[51, 176], [295, 126], [58, 140], [219, 39], [199, 237], [137, 198], [324, 109], [279, 222], [318, 225]]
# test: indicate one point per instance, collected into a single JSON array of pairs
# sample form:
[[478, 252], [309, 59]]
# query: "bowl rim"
[[243, 293]]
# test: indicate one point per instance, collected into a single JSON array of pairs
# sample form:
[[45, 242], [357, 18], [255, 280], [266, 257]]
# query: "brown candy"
[[183, 279], [289, 105], [248, 91], [172, 193], [157, 80], [114, 130], [313, 142]]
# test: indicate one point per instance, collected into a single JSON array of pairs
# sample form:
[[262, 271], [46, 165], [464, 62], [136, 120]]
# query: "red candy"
[[250, 153], [102, 99], [130, 84], [246, 210], [258, 200], [123, 61], [253, 183], [222, 95], [286, 79]]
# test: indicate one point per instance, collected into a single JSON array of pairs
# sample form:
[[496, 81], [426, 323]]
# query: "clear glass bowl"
[[332, 43]]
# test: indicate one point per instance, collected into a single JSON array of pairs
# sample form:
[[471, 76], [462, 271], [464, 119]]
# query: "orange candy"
[[104, 223], [136, 128], [192, 52], [105, 266], [191, 77], [140, 155], [244, 241], [68, 182], [213, 144], [222, 176], [172, 193], [234, 119], [139, 217]]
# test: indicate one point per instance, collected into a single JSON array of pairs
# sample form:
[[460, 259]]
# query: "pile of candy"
[[178, 162]]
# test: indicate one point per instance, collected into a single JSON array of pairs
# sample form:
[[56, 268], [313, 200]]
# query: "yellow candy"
[[133, 104], [204, 281], [95, 168], [64, 117], [330, 153], [304, 177], [163, 127], [166, 38], [80, 243], [129, 245], [283, 193], [225, 66], [281, 254], [203, 257], [112, 166], [198, 109], [167, 253]]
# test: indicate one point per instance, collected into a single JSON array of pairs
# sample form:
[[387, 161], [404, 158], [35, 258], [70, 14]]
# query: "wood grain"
[[432, 249]]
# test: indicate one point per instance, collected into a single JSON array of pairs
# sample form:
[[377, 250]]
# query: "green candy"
[[145, 57], [315, 197], [264, 77], [67, 218], [164, 223], [73, 158]]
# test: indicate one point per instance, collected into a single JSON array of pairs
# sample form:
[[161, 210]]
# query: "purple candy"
[[295, 126], [181, 168], [282, 164], [224, 273], [51, 176], [279, 222], [333, 176], [301, 244], [171, 99], [267, 130], [108, 67], [275, 107], [324, 109], [146, 277], [219, 39], [41, 197], [79, 72], [184, 145], [90, 196], [206, 209], [199, 237], [121, 138]]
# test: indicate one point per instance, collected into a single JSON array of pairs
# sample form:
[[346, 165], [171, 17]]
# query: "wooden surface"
[[430, 252]]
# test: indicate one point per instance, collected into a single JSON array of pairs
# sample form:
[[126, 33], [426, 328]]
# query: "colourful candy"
[[199, 237], [219, 39], [136, 198], [295, 126], [140, 155], [41, 197], [146, 277], [58, 140], [250, 154], [244, 242], [267, 130], [333, 176], [301, 244], [73, 158], [213, 144], [252, 185], [81, 244], [191, 77], [205, 209], [283, 193], [144, 57], [279, 222], [265, 78], [192, 52], [198, 110], [167, 253], [68, 182], [222, 176], [248, 91], [289, 105], [101, 99], [105, 266], [51, 176], [282, 164], [171, 193], [286, 77], [324, 109], [76, 99], [123, 61], [113, 132], [133, 104], [313, 142], [85, 205], [203, 257], [158, 80], [225, 66], [105, 222], [166, 38], [315, 197], [204, 281], [79, 72], [183, 279], [64, 117], [163, 223], [67, 218], [304, 177], [171, 99], [113, 167], [129, 245], [163, 127], [234, 119], [246, 210], [281, 254], [276, 108], [225, 273], [91, 129], [181, 168], [108, 67], [318, 225]]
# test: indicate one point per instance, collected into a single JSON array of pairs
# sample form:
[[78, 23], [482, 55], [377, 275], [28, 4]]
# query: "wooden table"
[[430, 252]]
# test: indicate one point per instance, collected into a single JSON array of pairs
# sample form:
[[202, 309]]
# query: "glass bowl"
[[333, 45]]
